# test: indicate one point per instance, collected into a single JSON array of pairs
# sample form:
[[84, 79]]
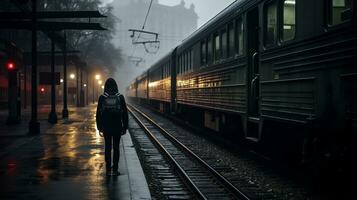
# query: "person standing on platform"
[[112, 123]]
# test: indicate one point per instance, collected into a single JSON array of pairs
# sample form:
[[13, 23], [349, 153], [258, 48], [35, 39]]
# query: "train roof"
[[227, 13], [162, 60]]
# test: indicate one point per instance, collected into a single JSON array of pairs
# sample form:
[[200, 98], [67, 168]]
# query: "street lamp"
[[96, 77], [72, 76]]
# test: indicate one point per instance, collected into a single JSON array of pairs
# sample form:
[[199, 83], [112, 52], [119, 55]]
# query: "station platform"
[[66, 161]]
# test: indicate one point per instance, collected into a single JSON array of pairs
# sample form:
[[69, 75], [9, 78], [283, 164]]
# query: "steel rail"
[[168, 155], [229, 186]]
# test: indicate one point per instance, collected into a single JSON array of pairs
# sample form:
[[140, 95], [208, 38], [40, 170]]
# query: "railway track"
[[203, 181]]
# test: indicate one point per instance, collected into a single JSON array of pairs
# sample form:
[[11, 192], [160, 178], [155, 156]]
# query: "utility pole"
[[65, 109], [34, 125], [52, 118]]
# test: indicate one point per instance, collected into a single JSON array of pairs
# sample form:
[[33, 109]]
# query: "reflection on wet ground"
[[65, 162]]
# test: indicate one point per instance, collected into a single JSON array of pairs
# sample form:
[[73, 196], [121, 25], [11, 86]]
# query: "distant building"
[[173, 23]]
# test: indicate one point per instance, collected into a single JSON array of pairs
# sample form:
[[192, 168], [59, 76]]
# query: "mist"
[[189, 15]]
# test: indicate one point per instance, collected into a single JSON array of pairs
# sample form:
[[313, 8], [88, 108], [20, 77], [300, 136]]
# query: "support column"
[[87, 100], [34, 125], [65, 108], [81, 93], [78, 95], [93, 85], [25, 86], [52, 117]]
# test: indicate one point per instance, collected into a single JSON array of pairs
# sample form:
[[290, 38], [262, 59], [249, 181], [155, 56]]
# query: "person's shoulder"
[[101, 97], [120, 95]]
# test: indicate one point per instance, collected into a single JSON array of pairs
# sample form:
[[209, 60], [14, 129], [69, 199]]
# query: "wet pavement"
[[66, 161]]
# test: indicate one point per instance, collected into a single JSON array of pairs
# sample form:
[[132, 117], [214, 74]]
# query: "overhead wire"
[[143, 27]]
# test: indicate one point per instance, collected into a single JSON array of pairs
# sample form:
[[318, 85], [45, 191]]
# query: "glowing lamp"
[[10, 66]]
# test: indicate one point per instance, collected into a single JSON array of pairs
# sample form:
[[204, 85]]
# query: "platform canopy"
[[51, 15], [50, 26]]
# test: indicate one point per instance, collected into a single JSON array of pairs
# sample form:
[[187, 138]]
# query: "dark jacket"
[[111, 88]]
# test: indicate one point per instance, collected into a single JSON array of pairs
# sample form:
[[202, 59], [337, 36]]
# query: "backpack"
[[112, 112]]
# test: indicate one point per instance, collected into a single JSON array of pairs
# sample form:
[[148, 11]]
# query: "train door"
[[253, 118]]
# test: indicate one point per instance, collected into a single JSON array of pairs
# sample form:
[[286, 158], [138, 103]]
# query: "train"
[[279, 73]]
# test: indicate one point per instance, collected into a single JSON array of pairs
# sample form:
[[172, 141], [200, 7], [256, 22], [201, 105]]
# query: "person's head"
[[111, 86]]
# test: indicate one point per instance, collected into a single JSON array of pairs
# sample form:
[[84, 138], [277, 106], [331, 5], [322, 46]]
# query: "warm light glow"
[[10, 65], [102, 86], [72, 76], [100, 82], [61, 80], [97, 77], [42, 89], [84, 85], [290, 2], [153, 84]]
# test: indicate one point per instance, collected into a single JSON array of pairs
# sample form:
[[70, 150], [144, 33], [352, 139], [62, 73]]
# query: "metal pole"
[[81, 93], [77, 87], [93, 90], [25, 86], [34, 125], [52, 117], [87, 100], [65, 109]]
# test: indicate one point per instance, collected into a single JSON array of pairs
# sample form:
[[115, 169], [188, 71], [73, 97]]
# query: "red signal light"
[[42, 90], [10, 66]]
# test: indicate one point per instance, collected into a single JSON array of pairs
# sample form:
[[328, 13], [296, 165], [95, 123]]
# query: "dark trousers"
[[112, 142]]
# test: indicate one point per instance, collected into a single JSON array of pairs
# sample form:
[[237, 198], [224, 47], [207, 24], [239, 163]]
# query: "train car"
[[131, 90], [142, 88], [277, 72], [160, 83]]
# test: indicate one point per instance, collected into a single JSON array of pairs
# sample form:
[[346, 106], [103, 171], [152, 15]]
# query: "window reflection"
[[224, 44], [240, 33], [340, 11], [231, 41], [203, 53], [271, 28], [217, 47], [289, 20]]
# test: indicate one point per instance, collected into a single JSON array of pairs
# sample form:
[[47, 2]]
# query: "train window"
[[271, 22], [166, 70], [209, 50], [289, 14], [182, 63], [189, 60], [186, 62], [231, 40], [240, 36], [217, 47], [179, 65], [224, 44], [192, 59], [203, 53], [340, 11]]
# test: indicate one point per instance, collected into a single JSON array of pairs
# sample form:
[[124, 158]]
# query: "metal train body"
[[260, 65]]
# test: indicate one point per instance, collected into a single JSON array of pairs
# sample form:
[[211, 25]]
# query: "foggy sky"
[[206, 9]]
